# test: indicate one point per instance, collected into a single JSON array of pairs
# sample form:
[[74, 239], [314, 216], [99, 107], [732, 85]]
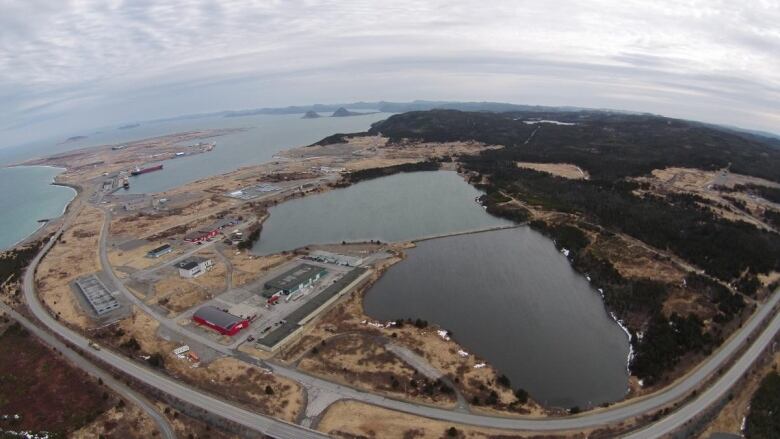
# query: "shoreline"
[[43, 222]]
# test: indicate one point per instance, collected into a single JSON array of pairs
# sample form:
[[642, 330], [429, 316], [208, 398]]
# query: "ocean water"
[[27, 195]]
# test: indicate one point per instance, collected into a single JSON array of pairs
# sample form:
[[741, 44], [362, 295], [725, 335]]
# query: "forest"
[[763, 421], [613, 147]]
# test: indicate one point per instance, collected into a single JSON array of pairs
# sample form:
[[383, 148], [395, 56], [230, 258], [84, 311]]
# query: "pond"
[[510, 297], [399, 207]]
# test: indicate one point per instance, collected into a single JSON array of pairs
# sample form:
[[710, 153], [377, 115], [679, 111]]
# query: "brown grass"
[[364, 362], [350, 419], [245, 384], [44, 389], [564, 170], [69, 259], [128, 421]]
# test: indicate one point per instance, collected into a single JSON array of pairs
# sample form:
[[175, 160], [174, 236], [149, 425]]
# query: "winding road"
[[281, 429], [165, 428]]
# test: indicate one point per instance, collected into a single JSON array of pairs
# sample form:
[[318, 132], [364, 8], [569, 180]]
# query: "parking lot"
[[248, 302]]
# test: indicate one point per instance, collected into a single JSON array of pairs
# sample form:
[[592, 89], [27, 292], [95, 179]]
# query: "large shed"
[[294, 279], [220, 321]]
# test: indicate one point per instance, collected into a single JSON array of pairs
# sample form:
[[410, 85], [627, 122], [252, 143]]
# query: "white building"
[[193, 268]]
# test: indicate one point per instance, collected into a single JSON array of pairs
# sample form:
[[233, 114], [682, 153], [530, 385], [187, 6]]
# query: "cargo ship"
[[139, 171]]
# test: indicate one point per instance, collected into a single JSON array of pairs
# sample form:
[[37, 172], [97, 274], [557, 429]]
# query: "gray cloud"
[[80, 64]]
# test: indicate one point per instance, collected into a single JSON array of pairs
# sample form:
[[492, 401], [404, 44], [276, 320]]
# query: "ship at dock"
[[139, 171]]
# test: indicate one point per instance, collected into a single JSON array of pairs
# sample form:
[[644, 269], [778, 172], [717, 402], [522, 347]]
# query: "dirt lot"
[[45, 390], [364, 362], [73, 256], [349, 419], [564, 170]]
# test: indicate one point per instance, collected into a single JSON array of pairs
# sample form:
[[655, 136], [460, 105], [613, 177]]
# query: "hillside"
[[641, 239], [607, 145]]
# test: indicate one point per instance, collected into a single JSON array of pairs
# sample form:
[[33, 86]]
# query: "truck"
[[94, 345]]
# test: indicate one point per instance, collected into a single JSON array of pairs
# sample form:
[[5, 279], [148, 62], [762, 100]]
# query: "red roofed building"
[[220, 321]]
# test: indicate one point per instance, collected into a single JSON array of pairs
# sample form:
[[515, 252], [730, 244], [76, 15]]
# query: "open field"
[[73, 256], [349, 419], [364, 362], [245, 384], [248, 267], [564, 170], [43, 389]]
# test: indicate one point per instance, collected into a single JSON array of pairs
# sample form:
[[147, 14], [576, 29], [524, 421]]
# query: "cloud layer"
[[86, 63]]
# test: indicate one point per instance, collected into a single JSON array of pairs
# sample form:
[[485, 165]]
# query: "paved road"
[[268, 425], [165, 428], [717, 391], [587, 420]]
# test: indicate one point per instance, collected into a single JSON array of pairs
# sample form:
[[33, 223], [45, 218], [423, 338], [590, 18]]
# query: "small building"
[[192, 268], [294, 279], [160, 251], [220, 321], [210, 231]]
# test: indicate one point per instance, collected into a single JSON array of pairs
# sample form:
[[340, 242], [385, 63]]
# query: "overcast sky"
[[67, 66]]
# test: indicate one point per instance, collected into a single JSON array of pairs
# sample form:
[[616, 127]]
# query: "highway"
[[268, 425], [281, 429], [715, 392], [165, 428]]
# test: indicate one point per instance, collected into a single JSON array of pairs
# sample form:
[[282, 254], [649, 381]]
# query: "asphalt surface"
[[268, 425], [281, 429], [715, 392]]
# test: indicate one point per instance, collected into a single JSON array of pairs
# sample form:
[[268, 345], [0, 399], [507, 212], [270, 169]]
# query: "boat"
[[125, 183], [139, 171]]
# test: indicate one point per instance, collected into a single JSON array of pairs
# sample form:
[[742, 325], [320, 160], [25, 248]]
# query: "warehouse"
[[220, 321], [294, 279], [160, 251], [97, 295]]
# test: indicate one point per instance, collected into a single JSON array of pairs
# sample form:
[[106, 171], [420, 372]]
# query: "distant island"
[[73, 139], [129, 126], [343, 112], [311, 115]]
